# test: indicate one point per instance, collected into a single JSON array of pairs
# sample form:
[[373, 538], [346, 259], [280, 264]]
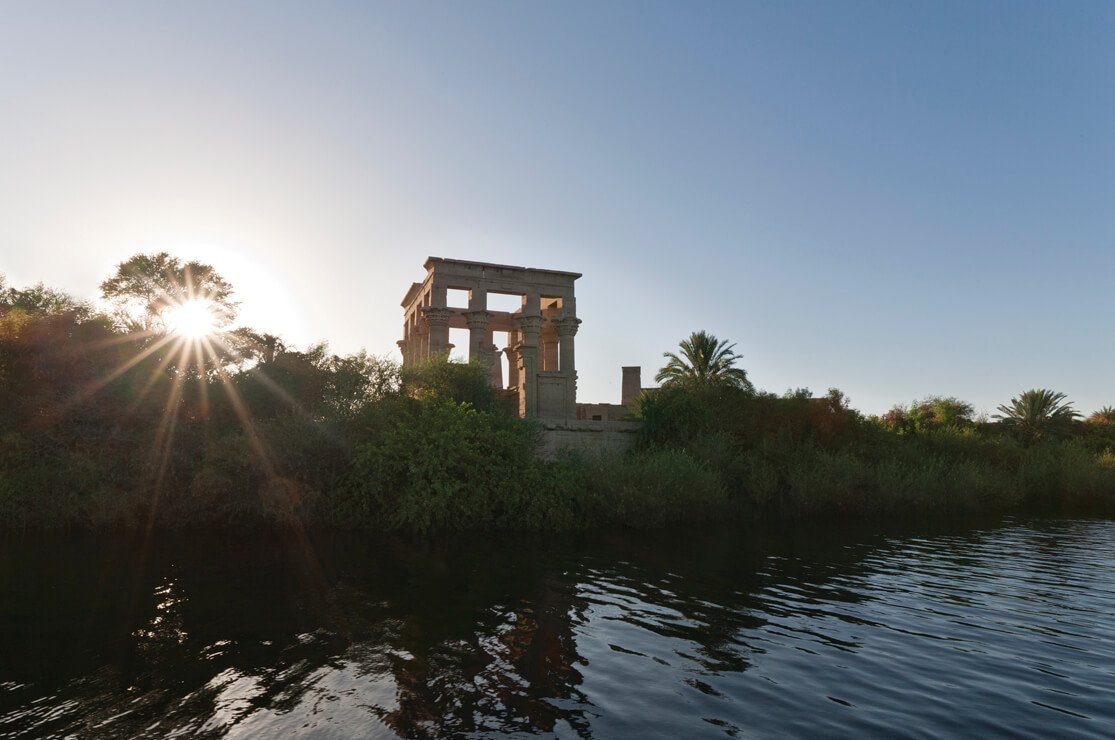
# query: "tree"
[[1038, 414], [459, 382], [147, 285], [251, 347], [1103, 417], [43, 301], [938, 412], [704, 360], [951, 412]]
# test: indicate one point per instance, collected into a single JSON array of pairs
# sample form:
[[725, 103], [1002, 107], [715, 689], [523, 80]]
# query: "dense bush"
[[103, 424], [798, 456], [440, 464]]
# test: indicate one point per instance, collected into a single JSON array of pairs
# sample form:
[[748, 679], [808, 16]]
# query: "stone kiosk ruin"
[[540, 342]]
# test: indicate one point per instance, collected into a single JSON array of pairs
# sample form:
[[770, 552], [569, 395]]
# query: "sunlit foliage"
[[930, 414], [1103, 417]]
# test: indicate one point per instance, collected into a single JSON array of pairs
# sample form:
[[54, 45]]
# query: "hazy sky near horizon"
[[897, 199]]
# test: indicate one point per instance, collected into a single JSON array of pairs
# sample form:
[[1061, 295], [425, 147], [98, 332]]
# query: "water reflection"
[[803, 631]]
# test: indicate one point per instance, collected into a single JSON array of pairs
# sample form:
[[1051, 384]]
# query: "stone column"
[[529, 327], [512, 366], [479, 341], [419, 342], [567, 330], [437, 320], [549, 342], [496, 376]]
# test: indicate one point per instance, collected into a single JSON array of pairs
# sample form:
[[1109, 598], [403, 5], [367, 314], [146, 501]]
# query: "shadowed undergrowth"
[[105, 427]]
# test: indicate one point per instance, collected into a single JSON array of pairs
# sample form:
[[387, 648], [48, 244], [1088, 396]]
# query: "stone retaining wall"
[[583, 435]]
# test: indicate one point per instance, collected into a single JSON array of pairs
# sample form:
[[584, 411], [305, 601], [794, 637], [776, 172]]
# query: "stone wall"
[[594, 437], [603, 412], [553, 396]]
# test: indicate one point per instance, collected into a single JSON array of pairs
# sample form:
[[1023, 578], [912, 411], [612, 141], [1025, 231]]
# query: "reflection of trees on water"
[[427, 640], [484, 643]]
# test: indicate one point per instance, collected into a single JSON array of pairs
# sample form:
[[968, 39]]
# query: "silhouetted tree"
[[43, 301], [1038, 414], [705, 360], [145, 286]]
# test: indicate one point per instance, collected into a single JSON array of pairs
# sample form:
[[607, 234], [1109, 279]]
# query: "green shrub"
[[440, 465], [652, 488]]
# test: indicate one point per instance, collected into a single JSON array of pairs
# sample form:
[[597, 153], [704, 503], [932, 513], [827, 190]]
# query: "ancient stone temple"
[[540, 328]]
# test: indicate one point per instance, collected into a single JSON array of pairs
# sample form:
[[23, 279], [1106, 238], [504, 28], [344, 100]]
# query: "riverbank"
[[458, 470], [103, 429]]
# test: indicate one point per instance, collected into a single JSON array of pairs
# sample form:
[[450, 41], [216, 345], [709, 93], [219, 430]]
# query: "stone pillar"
[[549, 342], [496, 377], [437, 320], [404, 350], [479, 340], [512, 367], [529, 327], [567, 330], [632, 385], [419, 342]]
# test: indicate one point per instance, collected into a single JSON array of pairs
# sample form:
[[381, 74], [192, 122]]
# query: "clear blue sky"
[[896, 199]]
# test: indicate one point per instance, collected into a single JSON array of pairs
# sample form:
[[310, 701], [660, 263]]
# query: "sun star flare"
[[192, 319]]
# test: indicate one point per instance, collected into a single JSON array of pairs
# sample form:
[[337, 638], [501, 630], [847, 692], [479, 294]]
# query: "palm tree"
[[1037, 414], [1105, 416], [705, 360]]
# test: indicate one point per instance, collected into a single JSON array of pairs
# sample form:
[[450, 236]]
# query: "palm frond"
[[704, 359]]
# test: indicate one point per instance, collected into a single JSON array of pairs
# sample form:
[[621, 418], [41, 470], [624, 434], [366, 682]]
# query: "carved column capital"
[[529, 321], [478, 320], [568, 326], [436, 316]]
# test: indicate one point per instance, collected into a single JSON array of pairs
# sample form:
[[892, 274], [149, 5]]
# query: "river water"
[[1003, 628]]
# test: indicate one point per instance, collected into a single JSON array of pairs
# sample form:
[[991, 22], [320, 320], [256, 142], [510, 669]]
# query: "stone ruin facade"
[[541, 332]]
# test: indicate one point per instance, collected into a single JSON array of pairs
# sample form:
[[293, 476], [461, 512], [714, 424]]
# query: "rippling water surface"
[[820, 631]]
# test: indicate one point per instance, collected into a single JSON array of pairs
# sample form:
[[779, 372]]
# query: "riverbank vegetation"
[[155, 411]]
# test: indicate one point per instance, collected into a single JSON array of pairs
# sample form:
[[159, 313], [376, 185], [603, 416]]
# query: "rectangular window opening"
[[456, 298], [459, 339], [499, 339], [510, 302]]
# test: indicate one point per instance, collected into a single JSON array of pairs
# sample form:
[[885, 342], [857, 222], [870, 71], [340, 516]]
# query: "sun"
[[193, 319]]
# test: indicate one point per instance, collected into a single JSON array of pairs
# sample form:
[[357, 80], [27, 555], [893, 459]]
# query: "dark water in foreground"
[[1004, 629]]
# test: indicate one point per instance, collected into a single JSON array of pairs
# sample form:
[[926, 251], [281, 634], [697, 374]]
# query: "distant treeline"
[[110, 420]]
